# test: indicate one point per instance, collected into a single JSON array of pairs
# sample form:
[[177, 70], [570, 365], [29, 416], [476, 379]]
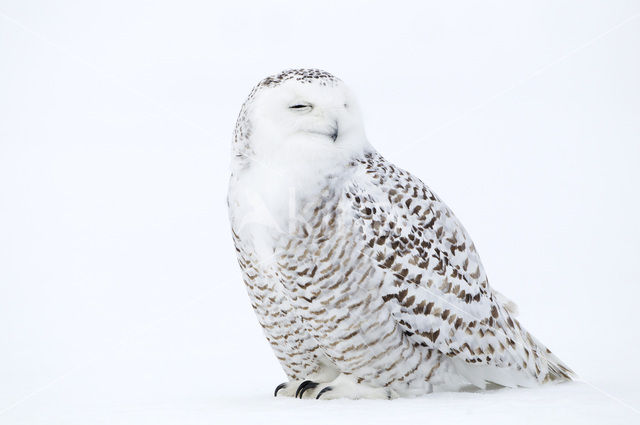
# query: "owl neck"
[[278, 185]]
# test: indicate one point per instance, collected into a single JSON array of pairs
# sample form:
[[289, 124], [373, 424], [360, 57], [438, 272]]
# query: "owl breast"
[[338, 294]]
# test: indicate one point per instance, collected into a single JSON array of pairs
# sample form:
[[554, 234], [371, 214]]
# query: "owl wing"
[[435, 283]]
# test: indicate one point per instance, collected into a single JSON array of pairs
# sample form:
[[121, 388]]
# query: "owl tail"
[[546, 367], [558, 371]]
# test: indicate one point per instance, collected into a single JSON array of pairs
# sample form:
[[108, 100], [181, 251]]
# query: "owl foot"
[[294, 388], [324, 373], [345, 386]]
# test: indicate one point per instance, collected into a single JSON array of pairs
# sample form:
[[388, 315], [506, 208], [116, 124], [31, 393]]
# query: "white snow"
[[120, 297], [568, 404]]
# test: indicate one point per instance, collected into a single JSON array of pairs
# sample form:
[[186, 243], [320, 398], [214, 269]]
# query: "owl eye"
[[300, 106]]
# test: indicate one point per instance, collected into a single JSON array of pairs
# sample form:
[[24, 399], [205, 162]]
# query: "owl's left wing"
[[434, 281]]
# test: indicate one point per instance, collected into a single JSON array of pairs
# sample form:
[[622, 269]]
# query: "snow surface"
[[574, 403], [120, 296]]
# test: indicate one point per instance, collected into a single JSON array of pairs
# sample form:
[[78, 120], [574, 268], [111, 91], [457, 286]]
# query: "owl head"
[[299, 115]]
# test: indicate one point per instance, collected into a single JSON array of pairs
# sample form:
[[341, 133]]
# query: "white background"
[[120, 296]]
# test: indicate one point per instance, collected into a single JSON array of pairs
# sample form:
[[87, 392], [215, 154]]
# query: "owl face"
[[305, 120]]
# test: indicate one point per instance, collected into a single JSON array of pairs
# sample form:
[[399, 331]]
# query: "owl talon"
[[306, 385], [278, 388], [322, 391]]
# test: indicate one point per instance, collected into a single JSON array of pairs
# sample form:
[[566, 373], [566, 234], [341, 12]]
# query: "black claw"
[[305, 386], [300, 387], [278, 388], [322, 391], [309, 386]]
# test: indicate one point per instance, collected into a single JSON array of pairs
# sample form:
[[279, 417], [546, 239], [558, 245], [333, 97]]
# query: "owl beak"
[[332, 132]]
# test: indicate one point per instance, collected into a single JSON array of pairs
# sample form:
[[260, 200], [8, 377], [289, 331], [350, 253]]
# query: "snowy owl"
[[365, 283]]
